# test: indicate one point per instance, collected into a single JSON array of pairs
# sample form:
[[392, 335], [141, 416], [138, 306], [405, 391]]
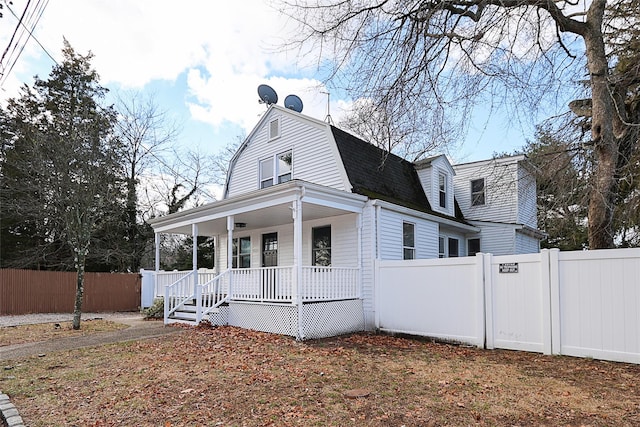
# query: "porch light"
[[240, 224]]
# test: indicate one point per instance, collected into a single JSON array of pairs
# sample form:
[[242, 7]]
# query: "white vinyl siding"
[[368, 257], [426, 232], [526, 244], [343, 241], [501, 191], [527, 206], [315, 157], [429, 178], [497, 239]]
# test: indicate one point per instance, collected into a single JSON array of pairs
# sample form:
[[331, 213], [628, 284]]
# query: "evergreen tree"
[[62, 188]]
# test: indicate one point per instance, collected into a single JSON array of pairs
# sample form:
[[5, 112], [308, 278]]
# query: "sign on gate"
[[508, 267]]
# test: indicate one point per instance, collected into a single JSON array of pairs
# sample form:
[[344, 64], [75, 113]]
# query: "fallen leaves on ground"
[[229, 376]]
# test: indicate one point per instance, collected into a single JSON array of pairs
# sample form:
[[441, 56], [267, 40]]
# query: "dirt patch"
[[229, 376]]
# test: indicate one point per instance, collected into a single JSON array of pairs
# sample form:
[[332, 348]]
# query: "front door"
[[269, 259]]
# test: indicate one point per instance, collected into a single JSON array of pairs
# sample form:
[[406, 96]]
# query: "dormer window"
[[442, 190], [279, 166], [477, 192]]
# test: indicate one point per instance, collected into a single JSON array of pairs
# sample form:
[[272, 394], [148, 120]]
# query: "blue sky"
[[203, 61]]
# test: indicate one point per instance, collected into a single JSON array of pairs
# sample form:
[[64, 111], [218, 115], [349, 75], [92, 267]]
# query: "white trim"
[[430, 217], [260, 199]]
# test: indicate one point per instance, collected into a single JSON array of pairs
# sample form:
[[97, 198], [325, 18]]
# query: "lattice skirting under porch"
[[319, 320]]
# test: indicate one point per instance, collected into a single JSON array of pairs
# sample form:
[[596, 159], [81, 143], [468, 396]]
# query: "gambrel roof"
[[378, 174]]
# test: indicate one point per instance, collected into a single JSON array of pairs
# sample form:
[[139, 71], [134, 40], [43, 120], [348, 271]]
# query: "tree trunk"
[[601, 201], [77, 308]]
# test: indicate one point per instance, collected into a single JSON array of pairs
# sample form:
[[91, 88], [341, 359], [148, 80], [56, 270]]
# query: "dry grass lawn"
[[46, 331], [233, 377]]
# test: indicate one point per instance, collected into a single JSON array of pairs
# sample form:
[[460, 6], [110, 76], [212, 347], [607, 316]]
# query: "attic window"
[[477, 192], [274, 129]]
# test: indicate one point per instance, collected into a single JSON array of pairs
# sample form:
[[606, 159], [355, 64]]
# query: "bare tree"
[[412, 135], [145, 132], [180, 182], [452, 53]]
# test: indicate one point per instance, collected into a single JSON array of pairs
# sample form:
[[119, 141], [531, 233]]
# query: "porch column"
[[156, 291], [297, 286], [194, 233], [157, 259], [230, 226], [230, 242], [196, 288]]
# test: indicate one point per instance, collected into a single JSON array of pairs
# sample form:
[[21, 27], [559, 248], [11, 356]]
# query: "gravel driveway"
[[30, 319]]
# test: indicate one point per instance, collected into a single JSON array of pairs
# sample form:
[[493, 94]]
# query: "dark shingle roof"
[[378, 174]]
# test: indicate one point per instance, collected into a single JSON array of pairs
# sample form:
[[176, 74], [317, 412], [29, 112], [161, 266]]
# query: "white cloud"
[[226, 50]]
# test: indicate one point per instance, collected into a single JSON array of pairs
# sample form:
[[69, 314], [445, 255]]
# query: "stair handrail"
[[214, 293], [177, 293]]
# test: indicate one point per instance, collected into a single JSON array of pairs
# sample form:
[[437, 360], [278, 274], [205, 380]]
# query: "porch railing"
[[213, 293], [177, 293], [329, 283], [167, 278], [275, 284], [266, 284]]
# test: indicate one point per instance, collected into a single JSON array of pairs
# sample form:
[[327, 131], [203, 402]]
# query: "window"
[[441, 252], [242, 252], [453, 247], [473, 246], [477, 192], [266, 173], [284, 167], [321, 250], [442, 186], [274, 129], [279, 166], [408, 241]]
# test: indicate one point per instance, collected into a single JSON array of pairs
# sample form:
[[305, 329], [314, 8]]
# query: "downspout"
[[376, 278], [359, 253]]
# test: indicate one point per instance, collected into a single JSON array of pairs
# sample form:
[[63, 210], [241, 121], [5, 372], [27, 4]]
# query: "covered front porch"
[[288, 260]]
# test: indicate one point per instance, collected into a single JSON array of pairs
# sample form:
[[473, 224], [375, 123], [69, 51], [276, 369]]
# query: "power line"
[[24, 12], [32, 19]]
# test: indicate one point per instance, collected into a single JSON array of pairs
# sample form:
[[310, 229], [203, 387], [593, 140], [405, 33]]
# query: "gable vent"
[[274, 129]]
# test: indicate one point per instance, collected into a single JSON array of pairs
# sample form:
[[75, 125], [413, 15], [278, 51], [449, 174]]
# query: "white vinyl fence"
[[584, 303]]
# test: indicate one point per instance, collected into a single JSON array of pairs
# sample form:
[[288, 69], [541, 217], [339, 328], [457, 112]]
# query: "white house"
[[307, 210]]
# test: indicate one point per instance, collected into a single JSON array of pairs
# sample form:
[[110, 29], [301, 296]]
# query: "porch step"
[[188, 313]]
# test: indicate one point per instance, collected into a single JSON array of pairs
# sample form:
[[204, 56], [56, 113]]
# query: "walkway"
[[138, 329]]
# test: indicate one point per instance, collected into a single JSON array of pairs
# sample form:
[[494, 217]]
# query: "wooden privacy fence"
[[29, 291]]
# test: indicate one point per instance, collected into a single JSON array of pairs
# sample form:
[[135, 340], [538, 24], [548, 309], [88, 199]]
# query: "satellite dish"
[[294, 103], [267, 95]]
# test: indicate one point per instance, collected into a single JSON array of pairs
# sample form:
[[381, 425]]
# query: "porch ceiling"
[[262, 209]]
